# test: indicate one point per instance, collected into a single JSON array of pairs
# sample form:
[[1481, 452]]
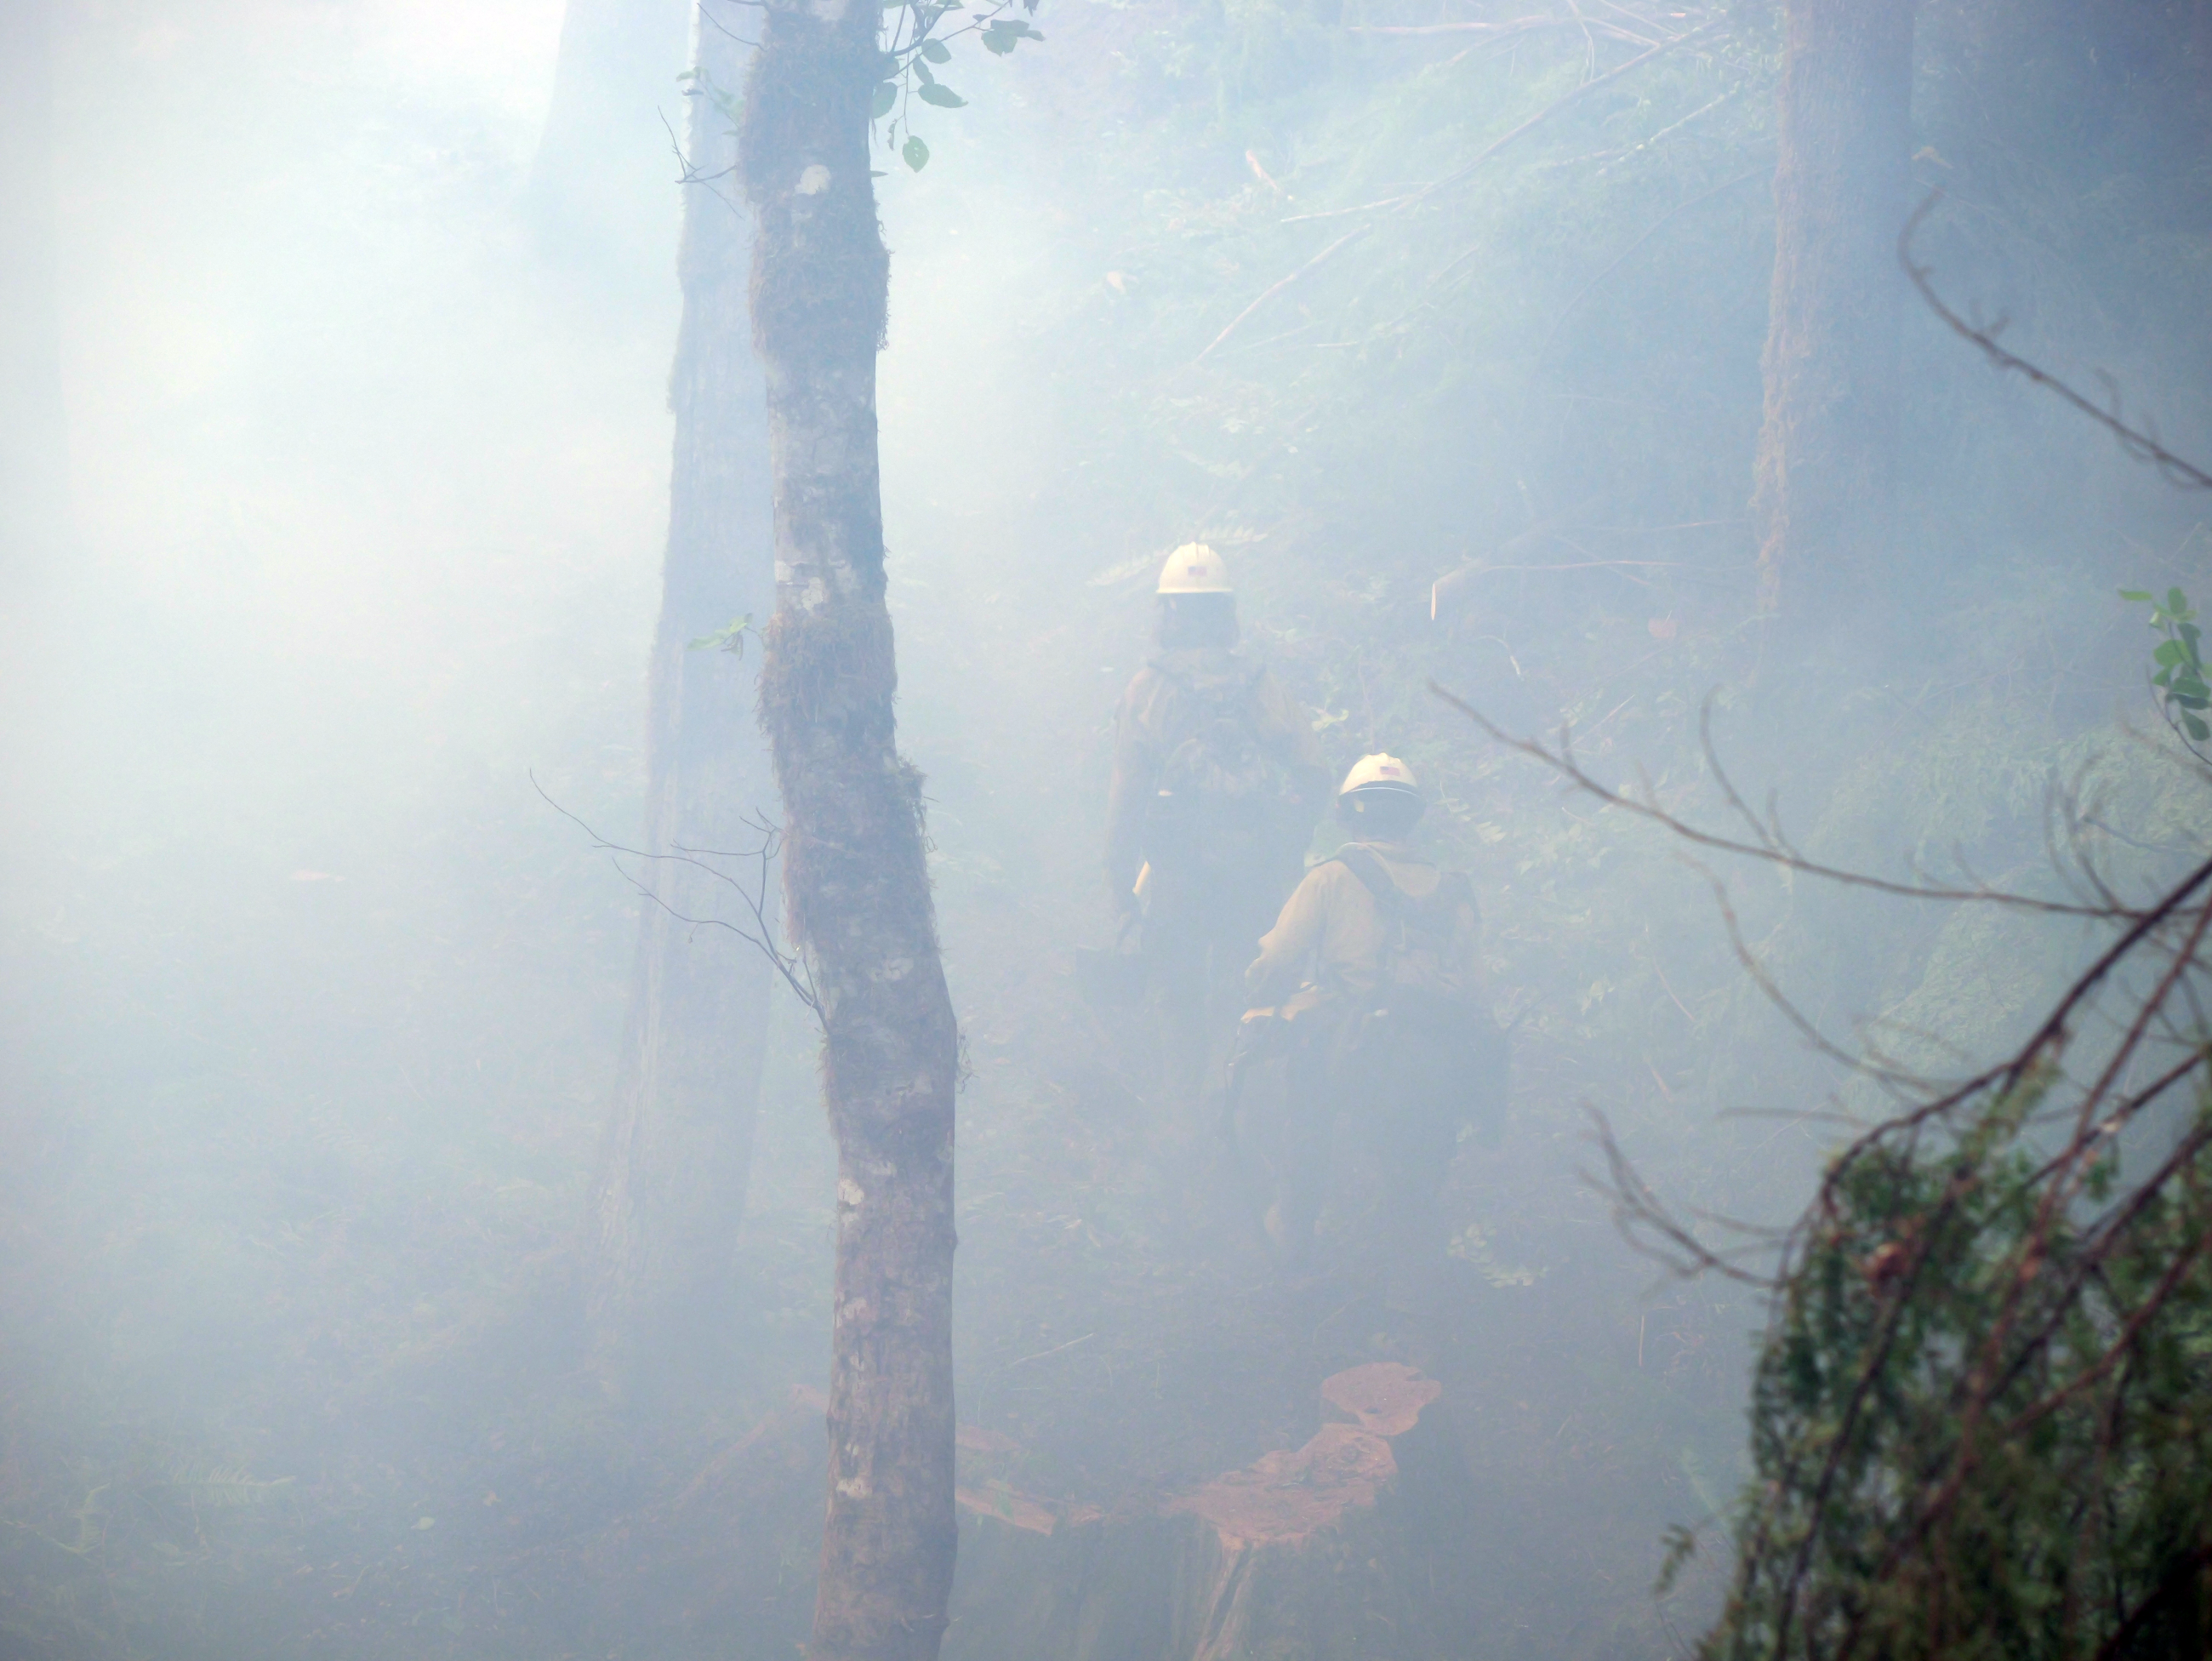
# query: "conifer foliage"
[[1979, 1420]]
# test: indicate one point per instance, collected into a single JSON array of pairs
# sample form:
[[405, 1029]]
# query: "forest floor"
[[423, 1469]]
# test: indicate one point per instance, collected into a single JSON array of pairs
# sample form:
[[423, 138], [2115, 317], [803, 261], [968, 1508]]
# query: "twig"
[[791, 966], [1518, 26], [1055, 1350], [1772, 849], [1303, 271], [2140, 445]]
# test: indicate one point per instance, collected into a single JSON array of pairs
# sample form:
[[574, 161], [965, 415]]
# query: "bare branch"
[[791, 966], [1771, 848], [2139, 444]]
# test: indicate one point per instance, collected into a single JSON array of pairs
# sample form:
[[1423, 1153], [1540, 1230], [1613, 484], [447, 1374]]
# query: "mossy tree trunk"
[[1827, 465], [678, 1146], [854, 873]]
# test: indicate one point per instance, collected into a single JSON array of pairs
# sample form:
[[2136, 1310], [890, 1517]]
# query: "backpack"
[[1218, 808], [1416, 1048]]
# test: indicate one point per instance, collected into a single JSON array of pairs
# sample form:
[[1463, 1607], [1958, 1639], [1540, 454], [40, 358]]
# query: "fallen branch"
[[1518, 26], [1311, 265], [1400, 205], [1498, 31]]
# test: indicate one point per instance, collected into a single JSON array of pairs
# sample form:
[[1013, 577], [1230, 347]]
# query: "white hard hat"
[[1194, 568], [1380, 772]]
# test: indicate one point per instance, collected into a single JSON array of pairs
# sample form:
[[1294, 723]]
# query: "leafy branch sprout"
[[914, 48], [2183, 694]]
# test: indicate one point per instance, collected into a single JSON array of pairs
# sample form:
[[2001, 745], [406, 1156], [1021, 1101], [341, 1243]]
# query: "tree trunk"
[[671, 1181], [1827, 452], [33, 454], [855, 877], [598, 191]]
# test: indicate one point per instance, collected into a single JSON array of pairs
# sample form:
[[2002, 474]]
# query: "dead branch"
[[1515, 26], [1635, 1207], [2138, 443], [1772, 848], [791, 966], [1299, 275], [1400, 205]]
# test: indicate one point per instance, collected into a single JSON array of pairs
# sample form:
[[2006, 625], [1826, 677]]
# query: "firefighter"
[[1218, 780], [1368, 984]]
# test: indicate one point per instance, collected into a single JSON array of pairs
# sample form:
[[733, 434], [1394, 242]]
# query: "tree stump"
[[1350, 1549]]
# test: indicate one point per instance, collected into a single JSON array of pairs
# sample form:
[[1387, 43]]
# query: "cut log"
[[1350, 1546]]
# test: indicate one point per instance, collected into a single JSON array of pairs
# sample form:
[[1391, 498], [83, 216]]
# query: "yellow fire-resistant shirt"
[[1331, 935]]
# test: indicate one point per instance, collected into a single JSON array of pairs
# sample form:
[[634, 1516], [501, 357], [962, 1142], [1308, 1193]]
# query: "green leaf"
[[1002, 35], [2196, 728], [1681, 1547], [921, 69], [886, 95], [943, 97], [2162, 677], [2176, 601], [915, 152], [2169, 654], [730, 638], [2141, 594], [937, 52]]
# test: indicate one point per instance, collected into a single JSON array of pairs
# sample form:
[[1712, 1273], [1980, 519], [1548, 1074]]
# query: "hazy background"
[[312, 1001]]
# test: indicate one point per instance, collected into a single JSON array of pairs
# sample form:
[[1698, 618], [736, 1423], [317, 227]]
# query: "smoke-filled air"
[[1105, 831]]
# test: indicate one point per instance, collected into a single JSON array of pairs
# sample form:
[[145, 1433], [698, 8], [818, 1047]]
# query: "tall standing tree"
[[1825, 495], [596, 194], [32, 451], [678, 1146], [855, 877]]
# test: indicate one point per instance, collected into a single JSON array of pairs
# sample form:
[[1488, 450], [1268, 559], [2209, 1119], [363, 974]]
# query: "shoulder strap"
[[1437, 910], [1363, 864]]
